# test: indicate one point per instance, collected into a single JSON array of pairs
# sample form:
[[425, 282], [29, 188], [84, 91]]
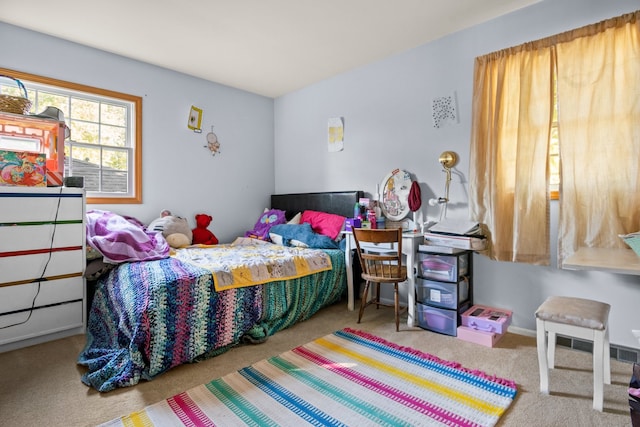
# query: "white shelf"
[[620, 261]]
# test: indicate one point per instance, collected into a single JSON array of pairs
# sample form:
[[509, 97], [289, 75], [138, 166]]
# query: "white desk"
[[621, 261], [410, 243]]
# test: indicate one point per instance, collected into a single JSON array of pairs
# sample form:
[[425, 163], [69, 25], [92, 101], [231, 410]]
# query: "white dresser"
[[42, 261]]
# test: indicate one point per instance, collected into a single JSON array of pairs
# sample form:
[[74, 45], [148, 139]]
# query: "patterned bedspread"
[[248, 262], [150, 316]]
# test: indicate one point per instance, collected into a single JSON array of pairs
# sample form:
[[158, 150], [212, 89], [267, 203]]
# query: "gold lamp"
[[447, 159]]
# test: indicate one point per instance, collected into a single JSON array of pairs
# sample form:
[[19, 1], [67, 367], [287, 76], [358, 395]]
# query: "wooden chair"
[[380, 254]]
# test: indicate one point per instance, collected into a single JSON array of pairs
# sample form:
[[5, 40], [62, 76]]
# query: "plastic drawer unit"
[[444, 288]]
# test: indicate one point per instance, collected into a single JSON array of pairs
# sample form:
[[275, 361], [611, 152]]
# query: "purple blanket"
[[122, 239]]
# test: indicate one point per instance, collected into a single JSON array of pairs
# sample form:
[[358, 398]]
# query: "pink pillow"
[[324, 223]]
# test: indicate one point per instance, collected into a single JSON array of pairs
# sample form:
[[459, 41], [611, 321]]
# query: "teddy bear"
[[175, 229], [202, 235]]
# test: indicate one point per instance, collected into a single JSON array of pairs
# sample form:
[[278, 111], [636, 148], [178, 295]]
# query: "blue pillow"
[[303, 233]]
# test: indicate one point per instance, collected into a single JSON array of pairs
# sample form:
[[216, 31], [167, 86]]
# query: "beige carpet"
[[40, 385]]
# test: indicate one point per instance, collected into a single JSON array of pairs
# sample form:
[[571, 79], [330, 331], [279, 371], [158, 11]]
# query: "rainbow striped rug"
[[348, 378]]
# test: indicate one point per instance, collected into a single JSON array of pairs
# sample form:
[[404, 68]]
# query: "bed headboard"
[[335, 202]]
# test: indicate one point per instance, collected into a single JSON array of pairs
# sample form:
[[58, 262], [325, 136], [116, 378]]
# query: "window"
[[592, 141], [105, 145]]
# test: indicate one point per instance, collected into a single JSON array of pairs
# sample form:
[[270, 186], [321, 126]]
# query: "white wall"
[[387, 111], [178, 171]]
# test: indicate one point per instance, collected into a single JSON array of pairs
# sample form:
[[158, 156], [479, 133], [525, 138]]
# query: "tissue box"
[[23, 168], [352, 223], [54, 178]]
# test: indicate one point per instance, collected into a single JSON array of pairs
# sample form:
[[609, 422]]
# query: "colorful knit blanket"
[[148, 317]]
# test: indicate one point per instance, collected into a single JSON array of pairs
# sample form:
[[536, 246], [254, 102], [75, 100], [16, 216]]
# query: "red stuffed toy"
[[201, 235]]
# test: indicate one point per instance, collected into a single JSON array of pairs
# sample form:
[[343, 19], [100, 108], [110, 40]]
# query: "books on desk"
[[456, 234], [457, 227]]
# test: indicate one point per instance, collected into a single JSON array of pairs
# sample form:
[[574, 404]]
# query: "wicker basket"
[[15, 104], [633, 240]]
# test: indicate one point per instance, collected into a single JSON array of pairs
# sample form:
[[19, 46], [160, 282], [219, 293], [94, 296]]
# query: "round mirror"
[[394, 199]]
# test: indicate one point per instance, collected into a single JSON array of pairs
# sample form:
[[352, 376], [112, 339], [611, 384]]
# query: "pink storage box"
[[487, 339], [487, 319]]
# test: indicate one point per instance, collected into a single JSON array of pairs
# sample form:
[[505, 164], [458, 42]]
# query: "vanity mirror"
[[394, 195]]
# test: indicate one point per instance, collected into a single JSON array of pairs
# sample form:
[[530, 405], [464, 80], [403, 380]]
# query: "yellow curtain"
[[599, 129], [512, 114], [598, 94]]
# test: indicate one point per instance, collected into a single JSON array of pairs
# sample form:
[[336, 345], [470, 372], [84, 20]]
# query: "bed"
[[149, 316]]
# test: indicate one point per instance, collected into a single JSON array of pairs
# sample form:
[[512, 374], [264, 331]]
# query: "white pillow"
[[295, 219], [275, 238]]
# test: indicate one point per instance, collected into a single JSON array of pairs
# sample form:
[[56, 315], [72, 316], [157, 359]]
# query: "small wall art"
[[336, 134], [195, 119], [444, 110]]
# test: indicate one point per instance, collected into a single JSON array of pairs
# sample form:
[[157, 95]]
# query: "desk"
[[621, 261], [410, 243]]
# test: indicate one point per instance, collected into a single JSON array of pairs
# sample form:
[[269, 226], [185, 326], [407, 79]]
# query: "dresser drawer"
[[32, 267], [29, 237], [19, 297], [43, 321], [42, 204]]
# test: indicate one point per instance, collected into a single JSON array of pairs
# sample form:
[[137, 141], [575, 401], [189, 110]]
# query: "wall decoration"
[[212, 143], [396, 187], [444, 110], [195, 119], [336, 134]]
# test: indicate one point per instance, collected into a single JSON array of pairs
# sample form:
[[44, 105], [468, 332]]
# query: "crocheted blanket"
[[248, 262], [148, 317]]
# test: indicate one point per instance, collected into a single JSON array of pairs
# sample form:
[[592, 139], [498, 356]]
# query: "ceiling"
[[267, 47]]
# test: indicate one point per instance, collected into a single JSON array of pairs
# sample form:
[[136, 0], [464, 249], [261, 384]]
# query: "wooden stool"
[[576, 318]]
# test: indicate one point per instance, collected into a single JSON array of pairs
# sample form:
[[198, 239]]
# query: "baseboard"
[[618, 352]]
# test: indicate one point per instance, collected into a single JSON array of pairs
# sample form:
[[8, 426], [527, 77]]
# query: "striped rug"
[[348, 378]]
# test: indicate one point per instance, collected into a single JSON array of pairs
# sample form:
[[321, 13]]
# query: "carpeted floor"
[[40, 385]]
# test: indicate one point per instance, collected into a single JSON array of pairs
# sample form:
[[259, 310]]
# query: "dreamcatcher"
[[212, 143]]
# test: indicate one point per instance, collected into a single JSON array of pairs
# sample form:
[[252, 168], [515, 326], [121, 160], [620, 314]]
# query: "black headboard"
[[335, 202]]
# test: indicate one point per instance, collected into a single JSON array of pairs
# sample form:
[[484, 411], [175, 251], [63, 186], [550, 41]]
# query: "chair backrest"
[[380, 254]]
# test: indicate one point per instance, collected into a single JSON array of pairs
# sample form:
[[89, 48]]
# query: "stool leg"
[[541, 343], [607, 357], [598, 369], [551, 349]]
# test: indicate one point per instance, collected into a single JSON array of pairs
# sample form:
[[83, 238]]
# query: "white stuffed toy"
[[175, 229]]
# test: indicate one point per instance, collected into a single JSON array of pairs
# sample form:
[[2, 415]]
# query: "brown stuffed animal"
[[202, 235], [174, 229]]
